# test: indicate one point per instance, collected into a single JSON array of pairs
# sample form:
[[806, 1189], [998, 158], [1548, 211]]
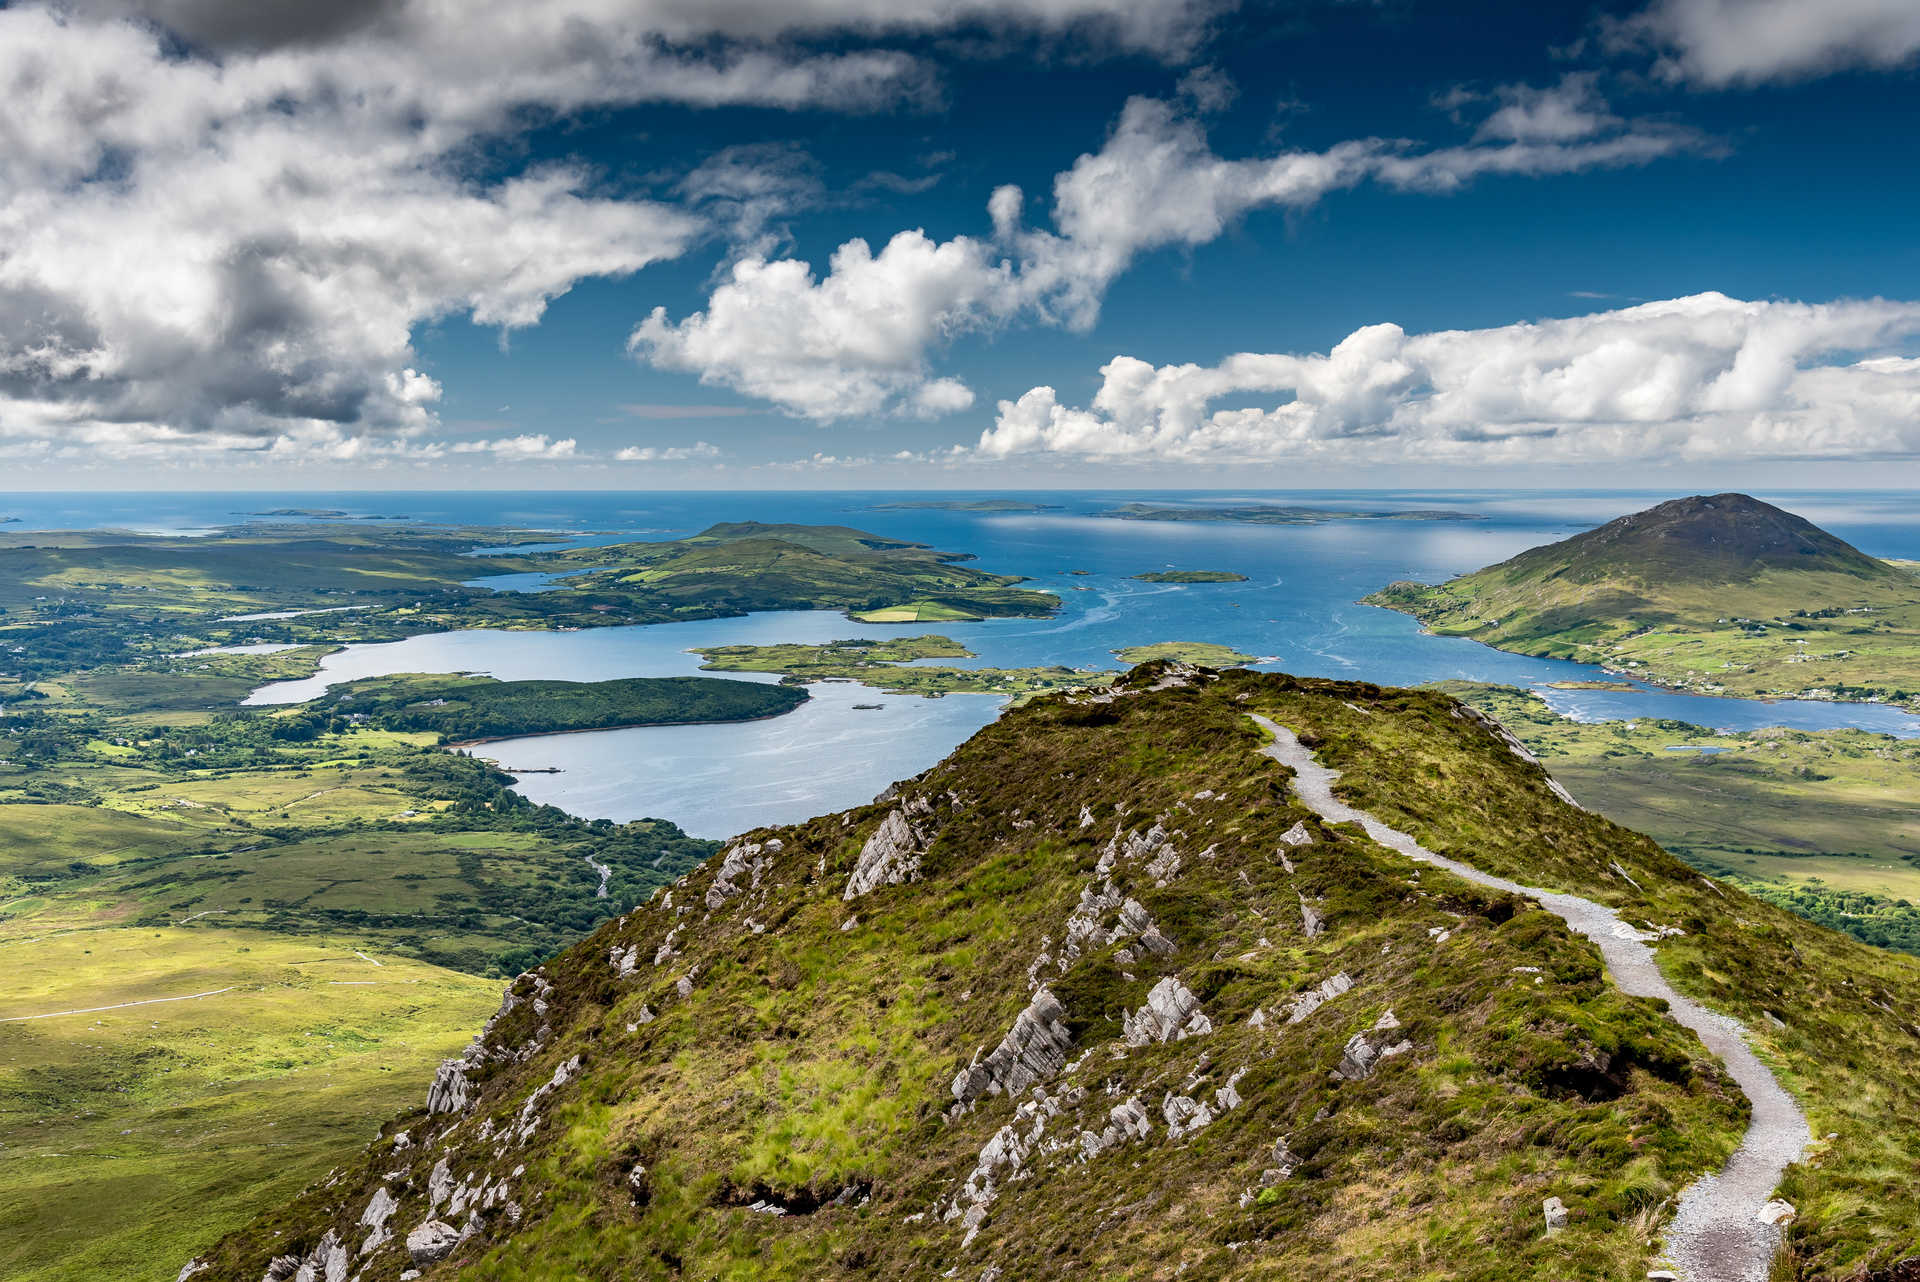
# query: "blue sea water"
[[1297, 610]]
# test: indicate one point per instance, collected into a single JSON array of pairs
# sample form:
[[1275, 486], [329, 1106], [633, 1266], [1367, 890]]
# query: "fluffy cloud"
[[221, 222], [858, 340], [525, 448], [1702, 377], [666, 453], [1716, 43], [852, 343]]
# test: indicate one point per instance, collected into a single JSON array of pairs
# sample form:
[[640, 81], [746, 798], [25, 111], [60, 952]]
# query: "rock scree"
[[1721, 1231]]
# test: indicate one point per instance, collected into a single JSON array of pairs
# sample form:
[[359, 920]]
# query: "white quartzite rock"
[[448, 1094], [892, 854], [1172, 1013], [1032, 1051], [1555, 1212], [379, 1210], [432, 1240]]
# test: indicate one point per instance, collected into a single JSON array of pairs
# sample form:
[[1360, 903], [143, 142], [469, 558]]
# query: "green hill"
[[1717, 594], [1102, 996]]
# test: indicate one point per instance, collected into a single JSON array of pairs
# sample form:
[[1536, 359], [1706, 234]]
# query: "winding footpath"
[[1717, 1234]]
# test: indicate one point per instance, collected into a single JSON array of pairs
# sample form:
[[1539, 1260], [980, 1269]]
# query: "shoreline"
[[625, 725], [1658, 686]]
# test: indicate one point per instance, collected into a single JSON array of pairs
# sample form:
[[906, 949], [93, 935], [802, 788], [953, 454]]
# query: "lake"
[[1297, 610]]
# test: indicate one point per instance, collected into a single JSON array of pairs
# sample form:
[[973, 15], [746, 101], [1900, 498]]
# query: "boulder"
[[1555, 1212], [449, 1093], [431, 1241], [1172, 1014]]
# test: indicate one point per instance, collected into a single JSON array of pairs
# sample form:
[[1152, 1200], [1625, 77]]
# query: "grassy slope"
[[809, 1058], [126, 1135], [1832, 1014], [1732, 600]]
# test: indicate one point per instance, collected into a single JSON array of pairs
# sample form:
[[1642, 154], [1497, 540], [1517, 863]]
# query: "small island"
[[468, 709], [1205, 654], [1274, 514], [965, 505], [892, 665], [1190, 576]]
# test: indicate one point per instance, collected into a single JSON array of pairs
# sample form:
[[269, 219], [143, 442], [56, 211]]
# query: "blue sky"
[[416, 244]]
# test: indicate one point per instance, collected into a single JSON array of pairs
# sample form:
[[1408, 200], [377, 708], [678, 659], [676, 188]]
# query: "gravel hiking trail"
[[1716, 1234]]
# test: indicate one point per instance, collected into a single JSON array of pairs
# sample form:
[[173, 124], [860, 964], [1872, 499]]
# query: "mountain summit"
[[1120, 990], [1704, 539], [1715, 594]]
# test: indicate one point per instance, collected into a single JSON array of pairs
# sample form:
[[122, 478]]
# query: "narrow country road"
[[1716, 1234], [94, 1010]]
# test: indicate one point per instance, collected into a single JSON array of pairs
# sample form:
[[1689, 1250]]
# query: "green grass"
[[126, 1136], [815, 1050]]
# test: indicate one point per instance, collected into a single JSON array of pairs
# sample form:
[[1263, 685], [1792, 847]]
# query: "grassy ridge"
[[1825, 823], [814, 1049]]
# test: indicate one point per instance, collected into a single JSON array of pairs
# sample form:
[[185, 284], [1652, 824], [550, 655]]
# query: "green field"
[[129, 1136], [1826, 824]]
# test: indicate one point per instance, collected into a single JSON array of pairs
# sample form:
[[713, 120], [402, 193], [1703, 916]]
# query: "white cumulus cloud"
[[222, 222], [527, 447], [1717, 43], [1702, 377], [860, 340]]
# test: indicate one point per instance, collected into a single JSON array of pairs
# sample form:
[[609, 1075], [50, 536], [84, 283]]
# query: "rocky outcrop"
[[891, 855], [431, 1241], [1314, 998], [1172, 1014], [1034, 1050], [379, 1210], [449, 1092], [744, 861]]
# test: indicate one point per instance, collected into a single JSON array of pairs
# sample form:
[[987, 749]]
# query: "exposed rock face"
[[891, 855], [375, 1217], [1172, 1013], [1184, 1115], [747, 860], [449, 1094], [1034, 1050], [431, 1241]]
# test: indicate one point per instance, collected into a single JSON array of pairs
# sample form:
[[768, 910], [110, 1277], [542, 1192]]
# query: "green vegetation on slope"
[[1721, 595], [467, 708], [1832, 1015], [795, 1049], [1191, 576]]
